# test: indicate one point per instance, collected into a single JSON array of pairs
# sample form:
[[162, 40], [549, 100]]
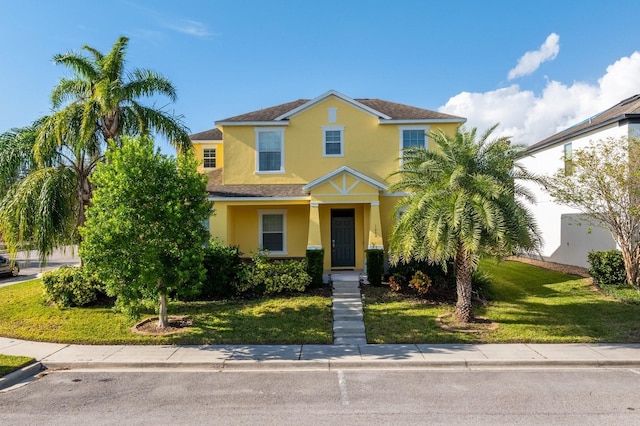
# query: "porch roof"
[[216, 188]]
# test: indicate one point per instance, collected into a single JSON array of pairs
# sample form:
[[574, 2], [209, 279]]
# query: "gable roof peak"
[[338, 95]]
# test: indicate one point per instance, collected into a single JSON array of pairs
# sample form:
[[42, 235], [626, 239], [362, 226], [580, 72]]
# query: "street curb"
[[339, 364], [21, 374]]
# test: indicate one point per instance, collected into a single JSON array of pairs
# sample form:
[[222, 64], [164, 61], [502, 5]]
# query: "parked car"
[[6, 268]]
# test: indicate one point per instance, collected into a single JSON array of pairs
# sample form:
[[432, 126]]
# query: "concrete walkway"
[[327, 357], [346, 303]]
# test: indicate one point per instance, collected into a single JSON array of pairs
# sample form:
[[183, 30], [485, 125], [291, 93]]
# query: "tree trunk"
[[464, 309], [632, 268], [163, 319]]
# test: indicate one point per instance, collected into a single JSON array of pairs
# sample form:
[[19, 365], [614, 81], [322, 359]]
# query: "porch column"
[[314, 241], [375, 228]]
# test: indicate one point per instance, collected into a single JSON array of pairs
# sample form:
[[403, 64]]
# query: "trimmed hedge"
[[315, 266], [222, 264], [607, 267], [375, 266], [265, 276]]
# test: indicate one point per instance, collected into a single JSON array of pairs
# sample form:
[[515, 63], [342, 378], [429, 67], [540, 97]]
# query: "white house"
[[568, 236]]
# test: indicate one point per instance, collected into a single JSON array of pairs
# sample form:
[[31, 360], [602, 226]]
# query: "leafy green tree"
[[144, 233], [45, 168], [604, 184], [464, 200]]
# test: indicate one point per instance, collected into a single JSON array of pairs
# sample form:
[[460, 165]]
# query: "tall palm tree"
[[45, 168], [107, 98], [464, 200]]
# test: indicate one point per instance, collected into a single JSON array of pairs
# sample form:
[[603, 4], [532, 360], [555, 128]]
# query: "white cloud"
[[530, 61], [190, 27], [529, 117]]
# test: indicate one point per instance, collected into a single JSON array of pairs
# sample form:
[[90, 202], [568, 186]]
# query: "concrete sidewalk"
[[326, 357]]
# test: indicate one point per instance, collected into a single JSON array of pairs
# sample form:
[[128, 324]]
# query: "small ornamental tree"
[[604, 184], [144, 233]]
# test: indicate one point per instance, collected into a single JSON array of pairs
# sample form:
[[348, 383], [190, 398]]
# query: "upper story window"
[[270, 150], [568, 159], [209, 158], [413, 137], [333, 141]]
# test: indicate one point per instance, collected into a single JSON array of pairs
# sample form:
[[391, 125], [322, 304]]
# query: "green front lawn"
[[10, 363], [303, 319], [529, 303]]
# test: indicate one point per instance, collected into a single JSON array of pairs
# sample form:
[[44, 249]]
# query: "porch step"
[[349, 341], [347, 316]]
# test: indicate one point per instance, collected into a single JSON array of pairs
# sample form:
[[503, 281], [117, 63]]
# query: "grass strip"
[[11, 363]]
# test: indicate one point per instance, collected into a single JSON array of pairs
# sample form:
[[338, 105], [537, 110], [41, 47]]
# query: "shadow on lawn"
[[530, 304], [229, 323]]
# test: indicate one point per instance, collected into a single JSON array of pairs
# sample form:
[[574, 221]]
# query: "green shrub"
[[264, 276], [607, 267], [481, 285], [70, 286], [222, 264], [443, 284], [402, 273], [375, 266], [420, 283], [315, 266]]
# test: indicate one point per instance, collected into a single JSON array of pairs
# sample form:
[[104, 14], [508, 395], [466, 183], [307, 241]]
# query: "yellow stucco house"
[[311, 174]]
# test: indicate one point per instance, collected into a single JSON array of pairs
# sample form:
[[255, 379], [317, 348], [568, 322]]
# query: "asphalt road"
[[30, 267], [357, 397]]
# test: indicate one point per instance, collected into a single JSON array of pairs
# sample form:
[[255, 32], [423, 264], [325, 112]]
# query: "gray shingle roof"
[[626, 109], [216, 188], [208, 135], [394, 110]]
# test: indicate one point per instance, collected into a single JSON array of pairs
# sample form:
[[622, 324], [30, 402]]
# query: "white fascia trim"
[[261, 199], [252, 123], [347, 169], [207, 142], [338, 95], [395, 194], [425, 121]]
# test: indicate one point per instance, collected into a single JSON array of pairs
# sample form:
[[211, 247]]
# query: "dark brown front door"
[[343, 250]]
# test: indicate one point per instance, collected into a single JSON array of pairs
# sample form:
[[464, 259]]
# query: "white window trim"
[[325, 129], [269, 129], [284, 229], [215, 148], [401, 130]]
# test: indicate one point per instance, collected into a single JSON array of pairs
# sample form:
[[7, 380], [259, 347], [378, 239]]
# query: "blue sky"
[[231, 57]]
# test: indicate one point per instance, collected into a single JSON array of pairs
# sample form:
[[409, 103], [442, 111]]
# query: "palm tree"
[[107, 98], [45, 168], [44, 206], [464, 200]]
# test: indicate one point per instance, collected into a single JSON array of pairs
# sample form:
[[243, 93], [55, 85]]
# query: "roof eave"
[[251, 198], [425, 121], [580, 132], [253, 123]]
